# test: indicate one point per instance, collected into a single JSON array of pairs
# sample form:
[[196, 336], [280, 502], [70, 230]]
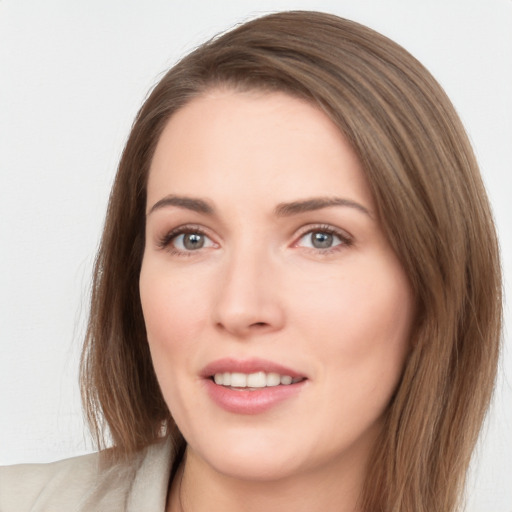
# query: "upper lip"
[[248, 366]]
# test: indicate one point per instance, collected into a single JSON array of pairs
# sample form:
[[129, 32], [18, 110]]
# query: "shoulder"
[[85, 483], [23, 486]]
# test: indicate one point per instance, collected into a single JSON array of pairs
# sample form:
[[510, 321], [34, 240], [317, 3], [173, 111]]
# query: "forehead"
[[253, 143]]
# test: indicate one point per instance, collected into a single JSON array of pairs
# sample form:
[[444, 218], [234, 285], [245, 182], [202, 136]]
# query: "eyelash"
[[165, 242], [344, 237]]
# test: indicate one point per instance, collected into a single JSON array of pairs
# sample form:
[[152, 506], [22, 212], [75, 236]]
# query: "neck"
[[198, 487]]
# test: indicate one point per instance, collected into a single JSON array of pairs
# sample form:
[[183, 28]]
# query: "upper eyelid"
[[188, 228], [346, 239], [168, 235], [324, 227]]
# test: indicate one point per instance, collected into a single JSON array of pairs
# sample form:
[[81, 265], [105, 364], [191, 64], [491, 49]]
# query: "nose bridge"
[[247, 296]]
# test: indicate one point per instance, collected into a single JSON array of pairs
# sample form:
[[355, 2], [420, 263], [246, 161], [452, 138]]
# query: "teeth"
[[238, 380], [273, 379], [253, 380], [286, 379], [256, 380]]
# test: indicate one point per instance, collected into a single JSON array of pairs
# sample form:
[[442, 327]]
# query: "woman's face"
[[264, 264]]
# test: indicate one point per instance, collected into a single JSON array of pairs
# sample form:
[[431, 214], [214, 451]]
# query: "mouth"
[[238, 381], [251, 386]]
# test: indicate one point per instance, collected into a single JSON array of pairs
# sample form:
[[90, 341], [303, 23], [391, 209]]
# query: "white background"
[[72, 76]]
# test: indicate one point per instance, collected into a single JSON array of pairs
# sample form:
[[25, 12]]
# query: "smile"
[[255, 380], [252, 386]]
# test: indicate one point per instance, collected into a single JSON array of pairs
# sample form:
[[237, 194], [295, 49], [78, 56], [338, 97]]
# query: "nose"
[[248, 299]]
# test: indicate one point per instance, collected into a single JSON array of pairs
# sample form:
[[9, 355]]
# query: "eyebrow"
[[281, 210], [189, 203], [316, 203]]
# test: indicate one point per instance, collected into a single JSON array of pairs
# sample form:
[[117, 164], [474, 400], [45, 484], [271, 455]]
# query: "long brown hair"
[[432, 206]]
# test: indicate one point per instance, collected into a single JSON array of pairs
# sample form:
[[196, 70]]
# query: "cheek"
[[174, 317], [361, 307], [360, 323], [172, 311]]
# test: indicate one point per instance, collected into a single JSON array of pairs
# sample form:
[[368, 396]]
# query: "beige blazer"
[[81, 485]]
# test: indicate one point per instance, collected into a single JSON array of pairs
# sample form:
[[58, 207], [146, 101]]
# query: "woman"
[[296, 302]]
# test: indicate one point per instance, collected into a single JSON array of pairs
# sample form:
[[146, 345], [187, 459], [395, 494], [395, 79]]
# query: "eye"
[[191, 241], [322, 239], [185, 240]]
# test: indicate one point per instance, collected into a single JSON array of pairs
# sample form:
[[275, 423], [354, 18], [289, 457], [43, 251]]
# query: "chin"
[[251, 457], [261, 467]]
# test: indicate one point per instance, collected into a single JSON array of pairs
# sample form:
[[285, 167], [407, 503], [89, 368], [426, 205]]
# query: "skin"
[[261, 287]]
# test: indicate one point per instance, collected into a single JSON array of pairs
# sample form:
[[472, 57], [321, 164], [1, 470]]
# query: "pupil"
[[193, 241], [322, 240]]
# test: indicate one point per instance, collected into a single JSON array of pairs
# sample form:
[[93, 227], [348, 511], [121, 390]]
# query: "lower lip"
[[251, 402]]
